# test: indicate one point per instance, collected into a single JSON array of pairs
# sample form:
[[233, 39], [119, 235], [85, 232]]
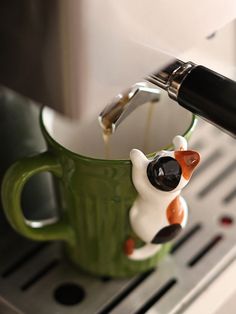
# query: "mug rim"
[[44, 130]]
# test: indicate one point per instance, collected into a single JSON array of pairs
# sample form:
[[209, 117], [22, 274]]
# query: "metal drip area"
[[34, 278]]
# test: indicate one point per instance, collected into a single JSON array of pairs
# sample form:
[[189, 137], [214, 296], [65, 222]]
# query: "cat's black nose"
[[164, 173]]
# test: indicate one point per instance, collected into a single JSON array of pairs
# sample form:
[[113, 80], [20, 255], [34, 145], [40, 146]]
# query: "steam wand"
[[195, 87]]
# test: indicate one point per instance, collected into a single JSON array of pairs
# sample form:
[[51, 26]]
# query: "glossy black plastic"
[[211, 96]]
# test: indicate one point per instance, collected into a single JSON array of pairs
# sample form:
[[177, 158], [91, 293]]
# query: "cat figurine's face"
[[171, 171], [168, 171]]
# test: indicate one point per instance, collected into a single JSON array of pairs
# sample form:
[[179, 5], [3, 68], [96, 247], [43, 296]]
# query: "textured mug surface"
[[95, 196]]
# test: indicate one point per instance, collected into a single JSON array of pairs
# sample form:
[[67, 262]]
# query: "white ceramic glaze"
[[148, 214]]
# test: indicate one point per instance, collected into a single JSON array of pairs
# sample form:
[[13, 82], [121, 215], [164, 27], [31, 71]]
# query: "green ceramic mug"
[[95, 194]]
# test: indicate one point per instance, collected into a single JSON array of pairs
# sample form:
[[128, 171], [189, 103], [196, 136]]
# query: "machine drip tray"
[[35, 279]]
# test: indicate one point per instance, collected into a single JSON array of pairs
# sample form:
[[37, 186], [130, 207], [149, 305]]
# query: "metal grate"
[[35, 279]]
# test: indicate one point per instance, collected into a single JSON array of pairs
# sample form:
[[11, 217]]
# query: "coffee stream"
[[147, 129], [106, 134]]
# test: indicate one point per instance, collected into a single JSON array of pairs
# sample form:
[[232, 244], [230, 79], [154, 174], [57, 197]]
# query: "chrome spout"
[[123, 104], [194, 87]]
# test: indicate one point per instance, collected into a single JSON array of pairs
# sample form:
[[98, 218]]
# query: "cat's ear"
[[180, 143], [188, 161], [137, 157]]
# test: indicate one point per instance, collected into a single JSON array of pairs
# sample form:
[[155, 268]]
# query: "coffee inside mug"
[[85, 137]]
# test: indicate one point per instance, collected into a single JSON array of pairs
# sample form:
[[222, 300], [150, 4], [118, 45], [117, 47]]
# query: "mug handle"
[[14, 180]]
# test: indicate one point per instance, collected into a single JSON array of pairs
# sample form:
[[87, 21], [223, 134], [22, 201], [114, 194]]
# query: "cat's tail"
[[146, 251]]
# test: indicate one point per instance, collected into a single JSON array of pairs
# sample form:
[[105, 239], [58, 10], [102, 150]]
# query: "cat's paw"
[[129, 246]]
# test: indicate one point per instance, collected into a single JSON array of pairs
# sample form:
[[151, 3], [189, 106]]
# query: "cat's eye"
[[164, 173]]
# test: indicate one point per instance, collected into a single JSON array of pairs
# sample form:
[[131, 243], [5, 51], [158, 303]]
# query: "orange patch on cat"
[[188, 160], [175, 212]]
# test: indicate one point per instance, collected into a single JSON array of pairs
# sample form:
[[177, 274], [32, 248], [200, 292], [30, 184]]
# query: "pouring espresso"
[[196, 88]]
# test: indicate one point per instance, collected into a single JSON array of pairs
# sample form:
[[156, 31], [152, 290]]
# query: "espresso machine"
[[76, 56]]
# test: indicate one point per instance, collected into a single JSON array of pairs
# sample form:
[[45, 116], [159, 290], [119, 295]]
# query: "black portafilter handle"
[[202, 91], [211, 96]]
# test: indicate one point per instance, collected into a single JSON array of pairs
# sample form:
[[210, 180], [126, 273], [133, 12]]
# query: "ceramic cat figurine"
[[159, 213]]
